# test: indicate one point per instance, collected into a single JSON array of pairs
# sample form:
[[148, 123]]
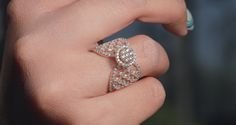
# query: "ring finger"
[[151, 57]]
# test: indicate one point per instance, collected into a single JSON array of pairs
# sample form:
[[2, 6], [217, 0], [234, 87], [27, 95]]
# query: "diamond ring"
[[127, 70]]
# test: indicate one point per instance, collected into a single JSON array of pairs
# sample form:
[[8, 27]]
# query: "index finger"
[[93, 20]]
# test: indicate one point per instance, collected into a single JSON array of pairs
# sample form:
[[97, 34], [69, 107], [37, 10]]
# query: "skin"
[[51, 42]]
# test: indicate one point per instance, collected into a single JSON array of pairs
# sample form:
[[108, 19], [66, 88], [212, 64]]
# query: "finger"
[[179, 26], [151, 56], [133, 104], [176, 23], [28, 12], [93, 23], [36, 7]]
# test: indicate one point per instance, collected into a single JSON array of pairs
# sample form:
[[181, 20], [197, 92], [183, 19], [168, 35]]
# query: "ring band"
[[127, 71]]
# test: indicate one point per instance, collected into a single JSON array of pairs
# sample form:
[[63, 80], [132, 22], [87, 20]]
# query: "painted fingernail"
[[190, 22]]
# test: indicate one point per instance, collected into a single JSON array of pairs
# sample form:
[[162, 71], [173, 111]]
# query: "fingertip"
[[183, 32], [177, 29], [183, 26]]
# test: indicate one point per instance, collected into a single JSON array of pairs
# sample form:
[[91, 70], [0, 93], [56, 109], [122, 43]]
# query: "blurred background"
[[201, 82]]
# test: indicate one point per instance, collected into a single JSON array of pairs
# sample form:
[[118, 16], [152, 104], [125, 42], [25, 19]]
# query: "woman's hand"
[[52, 42]]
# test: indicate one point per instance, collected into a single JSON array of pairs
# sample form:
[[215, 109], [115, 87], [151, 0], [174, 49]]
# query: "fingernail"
[[190, 22]]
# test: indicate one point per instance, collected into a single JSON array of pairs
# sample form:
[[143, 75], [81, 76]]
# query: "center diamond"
[[125, 56]]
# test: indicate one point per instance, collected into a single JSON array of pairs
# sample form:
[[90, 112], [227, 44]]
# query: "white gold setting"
[[127, 70]]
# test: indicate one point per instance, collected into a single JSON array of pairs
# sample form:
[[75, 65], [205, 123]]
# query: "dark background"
[[201, 83]]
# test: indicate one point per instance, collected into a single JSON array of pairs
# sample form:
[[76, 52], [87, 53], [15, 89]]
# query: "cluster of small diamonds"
[[127, 71], [109, 49], [125, 56], [123, 77]]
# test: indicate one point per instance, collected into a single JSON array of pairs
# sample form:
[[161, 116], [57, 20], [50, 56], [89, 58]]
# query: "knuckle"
[[162, 59], [12, 8], [15, 8], [28, 49], [148, 45], [21, 9], [155, 53], [22, 49], [157, 91]]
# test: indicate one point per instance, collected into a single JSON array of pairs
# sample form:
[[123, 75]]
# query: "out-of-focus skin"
[[51, 41]]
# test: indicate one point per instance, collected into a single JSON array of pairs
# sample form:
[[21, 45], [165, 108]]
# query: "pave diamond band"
[[123, 77], [127, 70]]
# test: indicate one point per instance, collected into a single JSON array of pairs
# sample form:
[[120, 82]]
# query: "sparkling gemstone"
[[125, 56]]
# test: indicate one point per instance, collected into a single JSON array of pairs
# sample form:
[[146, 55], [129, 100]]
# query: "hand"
[[51, 42]]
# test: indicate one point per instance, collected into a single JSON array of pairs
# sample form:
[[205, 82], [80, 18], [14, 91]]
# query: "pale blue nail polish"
[[190, 22]]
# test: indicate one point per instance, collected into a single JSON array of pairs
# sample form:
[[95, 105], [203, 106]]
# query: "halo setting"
[[127, 71]]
